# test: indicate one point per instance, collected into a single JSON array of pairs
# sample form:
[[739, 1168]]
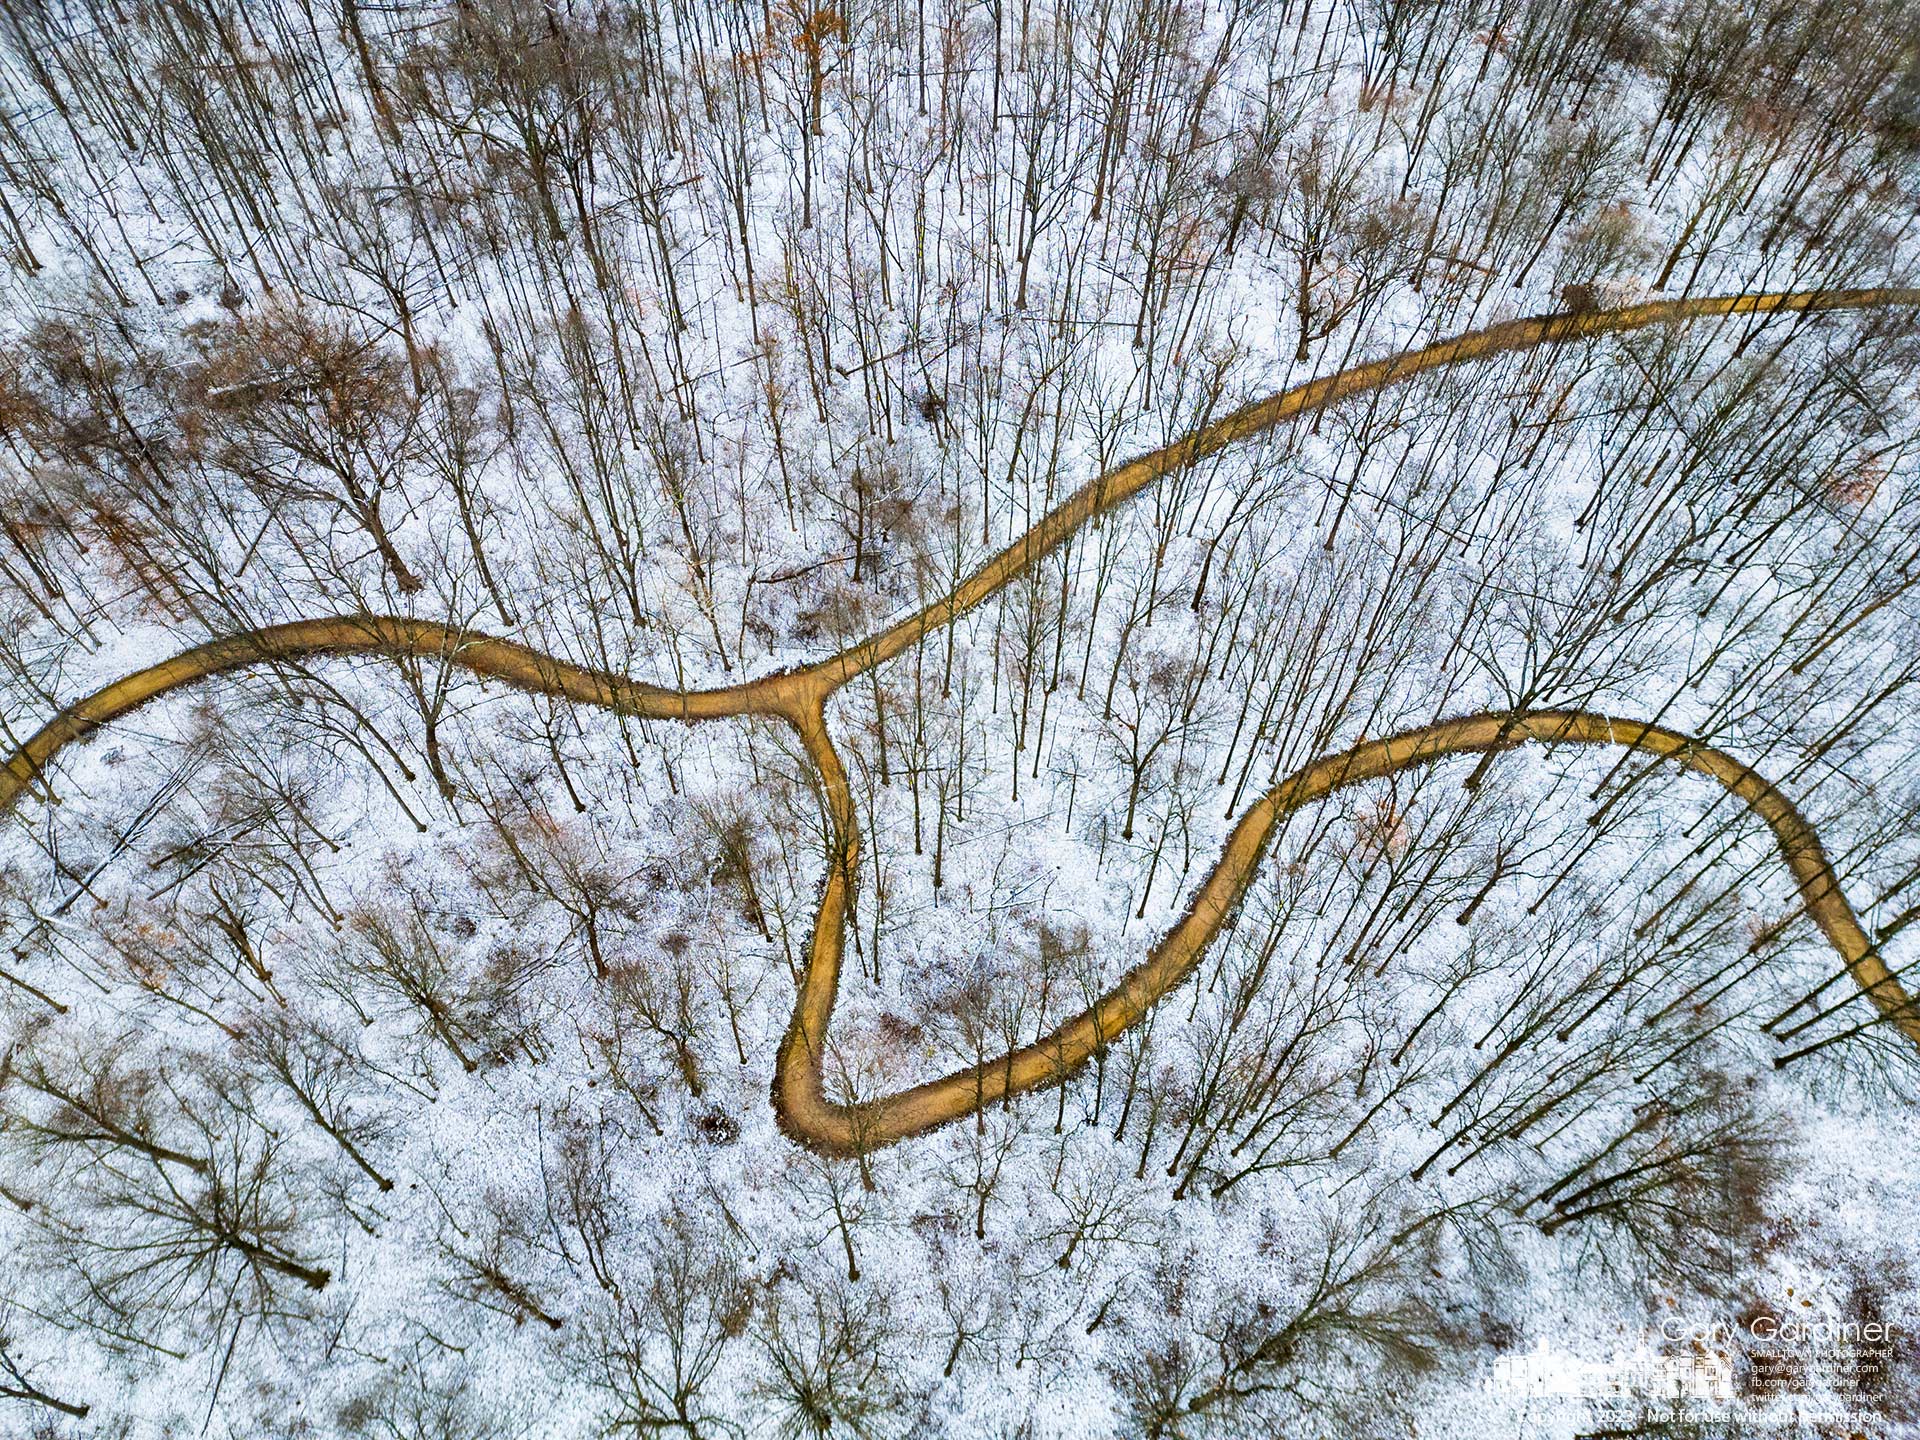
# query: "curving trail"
[[808, 1115], [800, 1099]]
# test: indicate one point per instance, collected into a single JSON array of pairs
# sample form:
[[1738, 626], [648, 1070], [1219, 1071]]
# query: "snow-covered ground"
[[696, 344]]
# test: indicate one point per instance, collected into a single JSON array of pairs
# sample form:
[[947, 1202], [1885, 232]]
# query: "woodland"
[[958, 718]]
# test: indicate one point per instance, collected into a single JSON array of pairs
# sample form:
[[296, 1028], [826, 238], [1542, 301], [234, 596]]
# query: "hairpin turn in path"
[[800, 695]]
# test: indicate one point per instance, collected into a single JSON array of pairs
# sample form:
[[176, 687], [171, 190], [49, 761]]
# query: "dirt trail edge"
[[801, 1104]]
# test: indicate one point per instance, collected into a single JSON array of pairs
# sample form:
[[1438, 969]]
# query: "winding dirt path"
[[807, 1114], [799, 696]]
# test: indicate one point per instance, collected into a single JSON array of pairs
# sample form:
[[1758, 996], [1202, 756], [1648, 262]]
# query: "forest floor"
[[800, 695]]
